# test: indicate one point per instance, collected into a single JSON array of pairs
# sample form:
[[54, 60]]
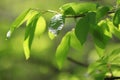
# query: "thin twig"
[[82, 15], [78, 63]]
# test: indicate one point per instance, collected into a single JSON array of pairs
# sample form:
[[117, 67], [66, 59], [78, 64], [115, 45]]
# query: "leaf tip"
[[8, 35]]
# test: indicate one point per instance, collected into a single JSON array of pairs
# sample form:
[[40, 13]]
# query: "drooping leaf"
[[101, 12], [40, 26], [77, 8], [116, 18], [74, 42], [56, 24], [29, 35], [81, 29], [19, 20], [62, 50]]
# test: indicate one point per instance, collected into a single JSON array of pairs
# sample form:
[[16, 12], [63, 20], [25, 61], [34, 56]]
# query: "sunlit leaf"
[[77, 8], [41, 26], [62, 50], [116, 18], [115, 31], [114, 57], [74, 42], [97, 68], [101, 37], [56, 25], [29, 35], [20, 20], [81, 29], [101, 12]]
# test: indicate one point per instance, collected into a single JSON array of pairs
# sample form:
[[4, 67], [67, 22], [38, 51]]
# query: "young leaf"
[[77, 8], [62, 50], [20, 20], [116, 18], [56, 24], [40, 26], [29, 35], [81, 29], [101, 12]]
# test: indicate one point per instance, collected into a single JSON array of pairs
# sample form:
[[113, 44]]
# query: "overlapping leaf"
[[84, 25], [62, 50], [81, 29], [101, 12], [29, 35], [56, 24], [101, 36], [115, 31], [116, 18], [77, 8], [74, 42]]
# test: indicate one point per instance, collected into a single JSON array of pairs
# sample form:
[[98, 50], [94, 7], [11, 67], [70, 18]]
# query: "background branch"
[[76, 62]]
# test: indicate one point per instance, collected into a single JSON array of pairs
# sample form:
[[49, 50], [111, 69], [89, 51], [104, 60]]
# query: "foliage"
[[102, 22]]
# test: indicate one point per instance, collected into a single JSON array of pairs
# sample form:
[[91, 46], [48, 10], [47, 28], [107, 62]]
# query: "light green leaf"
[[101, 37], [115, 31], [20, 20], [77, 8], [97, 67], [114, 57], [81, 29], [101, 12], [29, 35], [56, 25], [41, 26], [74, 42], [116, 18], [62, 50]]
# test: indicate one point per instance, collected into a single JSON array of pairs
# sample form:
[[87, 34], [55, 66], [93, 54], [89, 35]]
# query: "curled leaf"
[[56, 24]]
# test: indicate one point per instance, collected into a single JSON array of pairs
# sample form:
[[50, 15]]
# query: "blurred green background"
[[41, 65]]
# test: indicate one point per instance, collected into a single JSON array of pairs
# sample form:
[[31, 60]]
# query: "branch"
[[111, 78], [78, 63], [75, 16], [82, 15]]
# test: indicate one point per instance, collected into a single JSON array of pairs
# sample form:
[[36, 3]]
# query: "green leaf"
[[29, 35], [56, 25], [62, 50], [77, 8], [81, 29], [114, 57], [74, 42], [101, 35], [97, 67], [101, 12], [20, 20], [116, 18], [40, 26], [115, 31]]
